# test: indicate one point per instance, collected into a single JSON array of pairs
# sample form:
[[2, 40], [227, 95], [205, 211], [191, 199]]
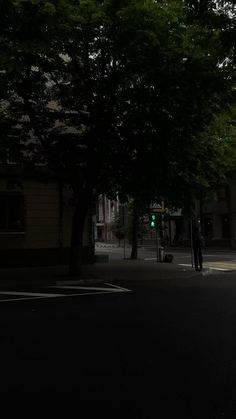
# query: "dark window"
[[225, 226], [11, 213], [221, 194], [208, 227]]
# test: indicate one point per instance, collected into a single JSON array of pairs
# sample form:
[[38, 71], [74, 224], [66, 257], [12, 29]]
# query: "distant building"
[[217, 217], [106, 211]]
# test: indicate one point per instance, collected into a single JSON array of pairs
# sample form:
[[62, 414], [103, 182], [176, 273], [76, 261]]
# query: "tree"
[[171, 105], [119, 228], [132, 84]]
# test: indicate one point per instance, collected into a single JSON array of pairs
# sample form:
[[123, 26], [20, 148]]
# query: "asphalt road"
[[150, 349]]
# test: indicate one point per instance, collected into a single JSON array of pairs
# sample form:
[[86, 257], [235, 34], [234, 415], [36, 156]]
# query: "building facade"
[[35, 221], [106, 212]]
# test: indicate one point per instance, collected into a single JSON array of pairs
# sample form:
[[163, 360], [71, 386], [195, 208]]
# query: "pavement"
[[121, 269], [151, 245]]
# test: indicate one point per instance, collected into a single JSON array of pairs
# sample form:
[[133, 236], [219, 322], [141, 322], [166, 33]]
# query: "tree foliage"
[[117, 95]]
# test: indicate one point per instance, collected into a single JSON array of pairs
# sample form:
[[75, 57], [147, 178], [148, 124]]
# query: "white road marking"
[[7, 300], [32, 294], [93, 293], [119, 288], [37, 296], [77, 287], [209, 266], [112, 288]]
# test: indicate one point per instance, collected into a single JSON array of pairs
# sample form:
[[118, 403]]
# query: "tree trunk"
[[76, 248], [135, 223], [231, 216]]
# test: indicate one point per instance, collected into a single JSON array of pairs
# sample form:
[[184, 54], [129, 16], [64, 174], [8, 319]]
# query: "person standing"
[[197, 249]]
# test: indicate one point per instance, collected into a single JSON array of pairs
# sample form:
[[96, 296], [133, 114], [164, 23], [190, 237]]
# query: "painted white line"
[[208, 266], [93, 293], [7, 300], [77, 287], [216, 256], [37, 296], [31, 294], [118, 287], [60, 296], [112, 288], [185, 264]]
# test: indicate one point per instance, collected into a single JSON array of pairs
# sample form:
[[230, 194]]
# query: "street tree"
[[186, 81], [112, 96]]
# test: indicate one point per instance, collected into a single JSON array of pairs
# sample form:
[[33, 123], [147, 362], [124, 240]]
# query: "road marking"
[[119, 288], [36, 295], [7, 300], [112, 288], [32, 294], [223, 262], [223, 266], [209, 265]]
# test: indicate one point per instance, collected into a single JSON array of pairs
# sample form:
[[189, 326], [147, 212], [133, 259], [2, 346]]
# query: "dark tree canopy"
[[117, 95]]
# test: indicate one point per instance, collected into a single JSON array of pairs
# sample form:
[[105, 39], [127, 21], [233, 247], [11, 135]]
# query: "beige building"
[[35, 220]]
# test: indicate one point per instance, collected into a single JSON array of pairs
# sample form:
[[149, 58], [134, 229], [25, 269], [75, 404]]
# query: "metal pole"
[[191, 239], [157, 246], [124, 228]]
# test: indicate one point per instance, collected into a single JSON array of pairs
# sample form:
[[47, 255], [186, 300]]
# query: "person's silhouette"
[[197, 249]]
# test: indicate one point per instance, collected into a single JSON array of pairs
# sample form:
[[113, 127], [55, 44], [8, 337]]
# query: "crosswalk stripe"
[[227, 264], [217, 266]]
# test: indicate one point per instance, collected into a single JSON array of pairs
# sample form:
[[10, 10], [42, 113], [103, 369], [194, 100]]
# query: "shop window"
[[11, 213]]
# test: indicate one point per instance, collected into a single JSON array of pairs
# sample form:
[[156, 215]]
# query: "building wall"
[[106, 212], [41, 217], [45, 235], [216, 218]]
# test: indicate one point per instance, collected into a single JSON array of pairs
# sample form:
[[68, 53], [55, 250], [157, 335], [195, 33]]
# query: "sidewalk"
[[169, 249], [127, 270], [139, 270]]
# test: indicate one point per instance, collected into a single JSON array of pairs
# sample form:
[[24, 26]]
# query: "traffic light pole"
[[157, 244], [191, 240], [123, 208]]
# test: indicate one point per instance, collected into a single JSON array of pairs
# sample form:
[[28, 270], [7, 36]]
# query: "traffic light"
[[153, 220]]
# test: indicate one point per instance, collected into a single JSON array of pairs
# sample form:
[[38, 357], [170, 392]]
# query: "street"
[[146, 348], [214, 259]]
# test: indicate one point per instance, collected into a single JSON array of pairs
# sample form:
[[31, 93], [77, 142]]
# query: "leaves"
[[133, 87]]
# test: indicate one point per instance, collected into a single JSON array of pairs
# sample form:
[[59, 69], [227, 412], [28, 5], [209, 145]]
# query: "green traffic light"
[[153, 219]]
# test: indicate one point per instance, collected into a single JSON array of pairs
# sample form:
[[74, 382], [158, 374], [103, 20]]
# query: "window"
[[11, 212], [225, 226], [221, 194], [208, 227]]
